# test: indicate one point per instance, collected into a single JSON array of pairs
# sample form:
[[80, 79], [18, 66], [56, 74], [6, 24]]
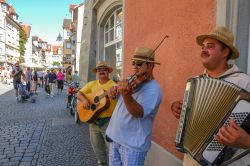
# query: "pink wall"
[[145, 24]]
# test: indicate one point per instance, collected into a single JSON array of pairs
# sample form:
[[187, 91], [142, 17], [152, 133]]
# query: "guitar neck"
[[104, 94]]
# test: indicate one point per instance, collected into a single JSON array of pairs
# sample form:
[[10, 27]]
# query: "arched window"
[[113, 40]]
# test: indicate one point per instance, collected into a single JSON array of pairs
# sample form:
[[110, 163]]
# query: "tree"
[[22, 42], [55, 63]]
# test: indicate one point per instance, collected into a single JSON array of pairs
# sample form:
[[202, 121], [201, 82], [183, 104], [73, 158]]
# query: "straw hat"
[[102, 64], [144, 54], [222, 34]]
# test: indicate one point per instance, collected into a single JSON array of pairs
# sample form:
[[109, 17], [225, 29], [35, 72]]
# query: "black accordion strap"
[[236, 157]]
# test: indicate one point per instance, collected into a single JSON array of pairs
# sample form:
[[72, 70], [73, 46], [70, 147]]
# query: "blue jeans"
[[99, 143], [122, 156]]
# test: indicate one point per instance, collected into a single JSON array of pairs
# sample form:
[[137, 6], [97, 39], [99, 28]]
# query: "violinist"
[[130, 128], [98, 128]]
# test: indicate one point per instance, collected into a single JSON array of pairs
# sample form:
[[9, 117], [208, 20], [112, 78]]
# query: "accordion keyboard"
[[240, 113]]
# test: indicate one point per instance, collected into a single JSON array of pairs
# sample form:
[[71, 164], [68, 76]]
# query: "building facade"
[[112, 29], [102, 37], [2, 39], [76, 33], [67, 46]]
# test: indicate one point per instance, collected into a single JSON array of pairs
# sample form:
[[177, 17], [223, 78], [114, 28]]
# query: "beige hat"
[[222, 34], [102, 64], [144, 54]]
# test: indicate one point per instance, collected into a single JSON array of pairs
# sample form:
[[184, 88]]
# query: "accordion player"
[[209, 104]]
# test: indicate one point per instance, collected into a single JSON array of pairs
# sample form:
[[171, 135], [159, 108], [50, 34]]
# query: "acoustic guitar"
[[99, 102]]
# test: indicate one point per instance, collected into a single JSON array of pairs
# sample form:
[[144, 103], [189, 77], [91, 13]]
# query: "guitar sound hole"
[[96, 99], [93, 107]]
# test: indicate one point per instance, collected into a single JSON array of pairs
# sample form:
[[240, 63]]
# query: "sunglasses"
[[139, 64], [102, 69]]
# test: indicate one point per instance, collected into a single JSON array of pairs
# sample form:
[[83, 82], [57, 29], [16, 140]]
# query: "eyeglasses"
[[102, 69], [137, 64]]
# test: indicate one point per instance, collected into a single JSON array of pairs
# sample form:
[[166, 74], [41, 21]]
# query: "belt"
[[102, 121]]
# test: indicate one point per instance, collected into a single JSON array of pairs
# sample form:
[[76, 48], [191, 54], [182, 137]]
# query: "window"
[[113, 40], [1, 37], [68, 45]]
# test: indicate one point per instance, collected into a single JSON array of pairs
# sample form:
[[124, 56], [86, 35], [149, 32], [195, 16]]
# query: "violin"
[[135, 82]]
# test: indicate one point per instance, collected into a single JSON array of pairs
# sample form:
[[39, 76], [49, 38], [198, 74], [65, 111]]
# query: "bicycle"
[[72, 100]]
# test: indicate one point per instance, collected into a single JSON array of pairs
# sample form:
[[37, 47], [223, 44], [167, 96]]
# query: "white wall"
[[28, 51], [12, 39], [79, 34]]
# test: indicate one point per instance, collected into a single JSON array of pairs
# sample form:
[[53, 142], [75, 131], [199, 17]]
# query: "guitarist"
[[98, 129]]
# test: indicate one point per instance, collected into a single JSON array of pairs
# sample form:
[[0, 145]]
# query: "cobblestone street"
[[41, 133]]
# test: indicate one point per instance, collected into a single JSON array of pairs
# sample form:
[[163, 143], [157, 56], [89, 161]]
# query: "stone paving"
[[41, 133]]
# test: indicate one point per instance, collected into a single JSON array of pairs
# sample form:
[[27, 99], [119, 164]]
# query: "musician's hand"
[[113, 92], [123, 87], [176, 108], [233, 135], [86, 104]]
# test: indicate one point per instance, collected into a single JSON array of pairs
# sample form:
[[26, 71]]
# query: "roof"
[[59, 37], [2, 1], [41, 40], [26, 29], [55, 49], [12, 10], [66, 23], [71, 7], [35, 38]]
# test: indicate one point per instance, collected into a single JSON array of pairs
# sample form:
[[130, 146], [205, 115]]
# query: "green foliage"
[[22, 42], [56, 64], [21, 59]]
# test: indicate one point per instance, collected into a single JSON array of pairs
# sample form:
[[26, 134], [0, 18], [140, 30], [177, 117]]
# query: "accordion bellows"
[[207, 105]]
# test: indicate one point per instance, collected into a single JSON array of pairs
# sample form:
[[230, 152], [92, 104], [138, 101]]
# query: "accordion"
[[208, 104]]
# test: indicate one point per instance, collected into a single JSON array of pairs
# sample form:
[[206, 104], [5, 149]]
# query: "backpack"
[[35, 76]]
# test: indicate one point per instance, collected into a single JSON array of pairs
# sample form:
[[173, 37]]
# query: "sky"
[[45, 16]]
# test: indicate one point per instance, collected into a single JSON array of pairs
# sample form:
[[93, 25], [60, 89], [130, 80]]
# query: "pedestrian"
[[216, 50], [34, 81], [69, 78], [52, 81], [17, 74], [40, 78], [76, 78], [28, 76], [60, 79], [130, 128], [46, 83], [98, 128]]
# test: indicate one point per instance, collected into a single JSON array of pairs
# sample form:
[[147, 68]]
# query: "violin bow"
[[150, 56]]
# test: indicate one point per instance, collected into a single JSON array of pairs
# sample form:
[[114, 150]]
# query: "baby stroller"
[[25, 95]]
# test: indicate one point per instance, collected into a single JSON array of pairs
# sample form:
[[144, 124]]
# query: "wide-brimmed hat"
[[223, 35], [144, 54], [102, 64]]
